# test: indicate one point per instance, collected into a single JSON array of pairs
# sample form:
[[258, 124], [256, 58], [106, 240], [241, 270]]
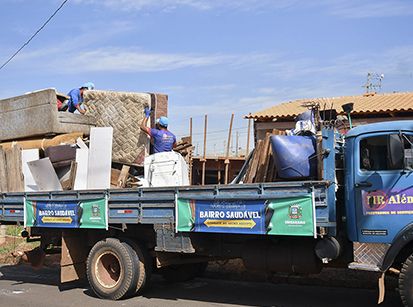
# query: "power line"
[[35, 33]]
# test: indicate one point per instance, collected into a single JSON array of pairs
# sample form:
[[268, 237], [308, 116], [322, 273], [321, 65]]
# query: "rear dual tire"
[[116, 269]]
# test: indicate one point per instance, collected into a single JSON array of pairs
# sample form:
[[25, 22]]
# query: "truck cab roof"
[[401, 125]]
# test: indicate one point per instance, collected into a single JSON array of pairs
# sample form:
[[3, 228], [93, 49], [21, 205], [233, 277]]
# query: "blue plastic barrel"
[[294, 156]]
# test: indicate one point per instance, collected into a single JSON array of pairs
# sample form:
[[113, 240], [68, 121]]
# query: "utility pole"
[[205, 143], [227, 154]]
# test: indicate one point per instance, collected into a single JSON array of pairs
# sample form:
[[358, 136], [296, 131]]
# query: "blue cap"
[[163, 121], [89, 85]]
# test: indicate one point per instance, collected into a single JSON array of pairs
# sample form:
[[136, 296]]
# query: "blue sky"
[[212, 57]]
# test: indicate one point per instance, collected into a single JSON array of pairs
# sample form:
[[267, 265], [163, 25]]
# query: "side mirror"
[[396, 152]]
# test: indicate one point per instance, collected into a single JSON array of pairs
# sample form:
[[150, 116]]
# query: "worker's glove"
[[148, 112]]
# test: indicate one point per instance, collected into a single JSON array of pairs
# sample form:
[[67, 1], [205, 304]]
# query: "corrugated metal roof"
[[367, 104]]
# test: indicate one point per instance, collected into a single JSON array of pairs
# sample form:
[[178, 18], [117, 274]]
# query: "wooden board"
[[45, 175], [254, 164], [15, 181], [3, 171], [44, 143], [124, 174], [29, 155], [82, 160], [100, 158]]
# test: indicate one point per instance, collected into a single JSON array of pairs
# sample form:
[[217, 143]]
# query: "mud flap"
[[73, 257], [382, 288]]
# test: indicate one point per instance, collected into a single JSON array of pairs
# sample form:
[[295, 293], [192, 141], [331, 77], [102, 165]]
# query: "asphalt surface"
[[24, 286]]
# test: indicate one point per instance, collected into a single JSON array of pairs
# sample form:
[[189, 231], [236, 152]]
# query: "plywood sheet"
[[44, 175], [82, 160], [29, 155], [100, 158]]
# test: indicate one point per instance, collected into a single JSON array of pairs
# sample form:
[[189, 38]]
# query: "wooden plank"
[[268, 157], [100, 158], [254, 164], [43, 143], [45, 175], [29, 155], [82, 160], [262, 164], [70, 182], [114, 176], [123, 176], [67, 117], [271, 169], [3, 171], [81, 144], [15, 179]]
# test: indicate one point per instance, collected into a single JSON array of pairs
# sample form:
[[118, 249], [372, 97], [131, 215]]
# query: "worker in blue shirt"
[[162, 139], [76, 98]]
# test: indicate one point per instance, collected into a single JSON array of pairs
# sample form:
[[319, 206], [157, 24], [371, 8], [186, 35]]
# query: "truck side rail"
[[157, 205]]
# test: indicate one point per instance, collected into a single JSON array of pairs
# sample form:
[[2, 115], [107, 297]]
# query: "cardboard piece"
[[29, 155], [100, 158], [45, 175]]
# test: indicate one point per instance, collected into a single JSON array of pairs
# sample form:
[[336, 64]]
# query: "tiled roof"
[[364, 104]]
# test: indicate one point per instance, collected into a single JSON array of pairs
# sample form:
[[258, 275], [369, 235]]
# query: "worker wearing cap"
[[76, 98], [162, 139]]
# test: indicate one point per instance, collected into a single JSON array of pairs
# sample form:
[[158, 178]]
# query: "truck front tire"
[[406, 282], [112, 270]]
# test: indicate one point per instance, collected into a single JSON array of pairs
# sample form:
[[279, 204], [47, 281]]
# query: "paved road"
[[23, 286]]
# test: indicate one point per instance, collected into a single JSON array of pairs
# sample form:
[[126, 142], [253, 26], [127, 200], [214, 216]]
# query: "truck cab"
[[379, 198]]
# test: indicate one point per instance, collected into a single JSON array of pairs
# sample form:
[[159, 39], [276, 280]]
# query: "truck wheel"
[[182, 272], [111, 269], [144, 261], [406, 282]]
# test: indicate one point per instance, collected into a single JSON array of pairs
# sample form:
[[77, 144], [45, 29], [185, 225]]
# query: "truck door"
[[383, 185]]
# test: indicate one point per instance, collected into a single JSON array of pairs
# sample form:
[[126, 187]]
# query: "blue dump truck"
[[357, 214]]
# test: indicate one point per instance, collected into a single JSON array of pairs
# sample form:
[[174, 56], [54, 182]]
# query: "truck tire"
[[144, 261], [406, 282], [182, 272], [111, 269]]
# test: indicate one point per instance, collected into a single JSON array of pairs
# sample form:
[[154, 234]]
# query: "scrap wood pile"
[[64, 162], [262, 167], [184, 147]]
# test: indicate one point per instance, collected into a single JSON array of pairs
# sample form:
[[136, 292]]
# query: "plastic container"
[[294, 156]]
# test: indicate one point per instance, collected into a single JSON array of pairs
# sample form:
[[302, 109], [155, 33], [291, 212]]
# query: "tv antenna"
[[373, 83]]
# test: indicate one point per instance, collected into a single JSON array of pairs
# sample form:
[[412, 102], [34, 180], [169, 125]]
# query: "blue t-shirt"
[[74, 99], [163, 140]]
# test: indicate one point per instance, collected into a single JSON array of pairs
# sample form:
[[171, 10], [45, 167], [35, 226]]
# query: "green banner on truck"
[[66, 214], [293, 216]]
